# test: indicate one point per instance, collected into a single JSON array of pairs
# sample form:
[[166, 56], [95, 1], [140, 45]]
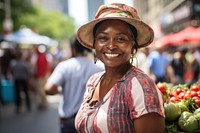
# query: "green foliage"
[[49, 23], [18, 8], [181, 86], [52, 24], [171, 127], [191, 104]]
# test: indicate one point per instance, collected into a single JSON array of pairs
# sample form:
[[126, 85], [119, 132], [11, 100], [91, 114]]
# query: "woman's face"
[[114, 43]]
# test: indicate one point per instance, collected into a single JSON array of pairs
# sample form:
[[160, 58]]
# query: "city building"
[[169, 16], [82, 11]]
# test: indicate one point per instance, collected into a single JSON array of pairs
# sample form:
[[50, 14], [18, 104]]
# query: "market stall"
[[182, 107]]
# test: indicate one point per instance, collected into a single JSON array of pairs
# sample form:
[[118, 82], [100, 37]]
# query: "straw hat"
[[119, 11]]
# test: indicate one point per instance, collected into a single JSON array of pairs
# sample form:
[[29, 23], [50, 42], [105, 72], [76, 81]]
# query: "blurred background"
[[26, 25]]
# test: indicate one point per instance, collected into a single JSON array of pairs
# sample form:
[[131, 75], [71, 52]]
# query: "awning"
[[189, 35], [27, 36]]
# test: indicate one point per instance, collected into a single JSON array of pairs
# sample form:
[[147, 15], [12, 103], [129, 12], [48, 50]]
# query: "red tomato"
[[174, 94], [193, 93], [171, 94], [195, 88], [178, 91], [198, 92], [162, 87], [187, 95], [196, 97], [173, 99], [197, 101], [181, 95]]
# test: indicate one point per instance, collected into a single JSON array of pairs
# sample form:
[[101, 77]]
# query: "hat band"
[[114, 13]]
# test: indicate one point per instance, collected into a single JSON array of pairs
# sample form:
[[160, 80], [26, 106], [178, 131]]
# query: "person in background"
[[179, 64], [20, 74], [71, 75], [121, 99], [192, 70], [141, 60], [159, 65], [42, 73]]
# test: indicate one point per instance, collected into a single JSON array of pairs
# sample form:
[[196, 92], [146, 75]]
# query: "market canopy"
[[188, 35], [27, 36]]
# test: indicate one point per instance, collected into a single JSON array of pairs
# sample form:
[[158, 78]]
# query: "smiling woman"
[[114, 43], [122, 98]]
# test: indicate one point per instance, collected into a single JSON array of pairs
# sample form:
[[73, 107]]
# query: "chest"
[[103, 89], [110, 114]]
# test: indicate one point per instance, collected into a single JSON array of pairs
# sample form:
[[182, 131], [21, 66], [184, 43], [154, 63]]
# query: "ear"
[[133, 50]]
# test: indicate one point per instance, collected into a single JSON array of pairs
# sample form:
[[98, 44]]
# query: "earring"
[[131, 59], [95, 59]]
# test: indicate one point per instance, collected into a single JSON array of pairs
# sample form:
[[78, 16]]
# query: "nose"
[[111, 45]]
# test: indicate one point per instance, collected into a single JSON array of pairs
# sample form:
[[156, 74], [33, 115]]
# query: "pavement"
[[36, 121]]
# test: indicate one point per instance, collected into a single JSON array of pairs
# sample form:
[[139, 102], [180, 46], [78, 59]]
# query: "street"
[[36, 121]]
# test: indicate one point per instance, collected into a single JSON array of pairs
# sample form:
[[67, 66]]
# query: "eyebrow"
[[121, 33]]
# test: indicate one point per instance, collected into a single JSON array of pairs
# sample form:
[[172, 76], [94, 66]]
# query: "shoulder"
[[143, 94], [68, 62], [137, 81], [143, 81], [137, 74], [95, 78]]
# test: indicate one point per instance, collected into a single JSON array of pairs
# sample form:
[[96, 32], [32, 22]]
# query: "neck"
[[117, 72]]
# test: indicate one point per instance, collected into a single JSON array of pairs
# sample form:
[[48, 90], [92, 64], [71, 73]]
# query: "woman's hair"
[[132, 28]]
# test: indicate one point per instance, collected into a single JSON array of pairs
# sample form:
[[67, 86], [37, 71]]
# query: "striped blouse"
[[134, 95]]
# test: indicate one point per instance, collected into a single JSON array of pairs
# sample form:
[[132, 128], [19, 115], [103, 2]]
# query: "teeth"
[[111, 55]]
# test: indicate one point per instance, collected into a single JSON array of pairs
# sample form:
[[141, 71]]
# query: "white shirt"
[[72, 75]]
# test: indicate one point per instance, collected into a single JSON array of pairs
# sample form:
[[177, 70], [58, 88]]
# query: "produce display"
[[182, 107]]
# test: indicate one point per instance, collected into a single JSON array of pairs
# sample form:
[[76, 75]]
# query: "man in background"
[[71, 75]]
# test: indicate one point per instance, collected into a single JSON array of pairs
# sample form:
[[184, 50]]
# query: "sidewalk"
[[36, 121]]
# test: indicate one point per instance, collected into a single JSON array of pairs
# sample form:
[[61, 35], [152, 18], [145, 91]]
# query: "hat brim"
[[145, 34]]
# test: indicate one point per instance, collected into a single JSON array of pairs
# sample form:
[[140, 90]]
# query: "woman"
[[123, 98]]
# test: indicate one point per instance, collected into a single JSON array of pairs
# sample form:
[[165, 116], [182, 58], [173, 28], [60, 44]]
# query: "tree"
[[18, 8], [49, 23]]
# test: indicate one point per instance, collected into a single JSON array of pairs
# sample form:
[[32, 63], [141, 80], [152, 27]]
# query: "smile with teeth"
[[111, 55]]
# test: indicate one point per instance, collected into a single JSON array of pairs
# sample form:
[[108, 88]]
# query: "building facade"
[[166, 16]]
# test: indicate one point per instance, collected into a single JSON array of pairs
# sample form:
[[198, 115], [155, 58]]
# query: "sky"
[[78, 10]]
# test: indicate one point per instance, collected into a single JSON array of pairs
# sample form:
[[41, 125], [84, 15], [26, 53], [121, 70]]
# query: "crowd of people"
[[178, 66], [28, 70], [118, 96]]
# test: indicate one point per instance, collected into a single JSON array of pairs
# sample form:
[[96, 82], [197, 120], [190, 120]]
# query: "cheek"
[[129, 50], [99, 45]]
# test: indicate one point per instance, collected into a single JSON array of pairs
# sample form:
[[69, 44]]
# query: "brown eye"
[[121, 39], [102, 38]]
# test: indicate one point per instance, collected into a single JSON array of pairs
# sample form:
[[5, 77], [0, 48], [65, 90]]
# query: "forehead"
[[114, 24]]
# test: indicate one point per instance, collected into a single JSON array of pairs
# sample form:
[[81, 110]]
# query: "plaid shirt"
[[134, 95]]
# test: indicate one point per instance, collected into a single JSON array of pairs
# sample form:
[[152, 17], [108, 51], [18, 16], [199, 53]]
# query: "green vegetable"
[[172, 111], [181, 86], [191, 104], [183, 107], [187, 122], [197, 115], [171, 127]]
